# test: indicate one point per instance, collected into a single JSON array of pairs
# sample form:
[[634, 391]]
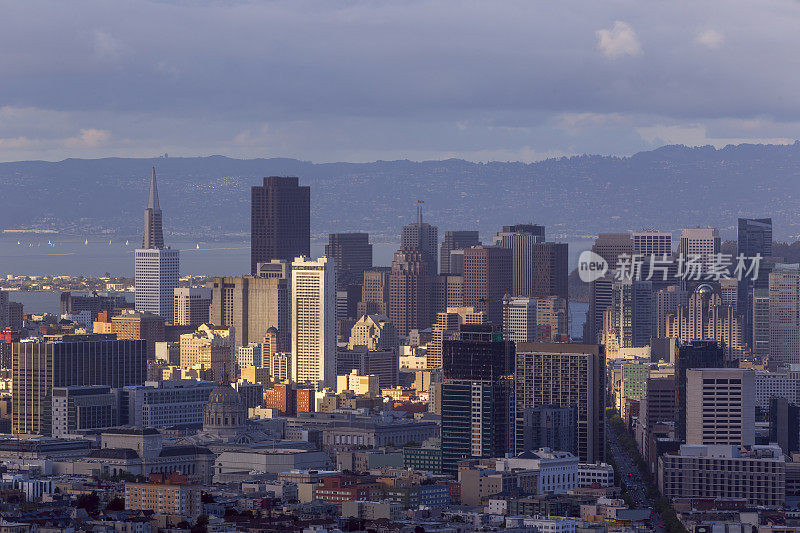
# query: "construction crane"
[[508, 371]]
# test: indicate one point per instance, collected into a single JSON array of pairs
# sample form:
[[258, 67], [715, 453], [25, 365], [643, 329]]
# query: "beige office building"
[[446, 324], [251, 305], [652, 242], [191, 306], [720, 406], [374, 332], [725, 472], [707, 317], [210, 347]]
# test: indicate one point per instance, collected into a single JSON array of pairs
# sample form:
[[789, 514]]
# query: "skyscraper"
[[695, 354], [537, 319], [445, 326], [632, 313], [352, 253], [410, 291], [610, 246], [476, 413], [40, 365], [423, 237], [191, 306], [280, 221], [702, 243], [550, 270], [521, 240], [374, 293], [157, 268], [722, 404], [760, 332], [251, 305], [600, 298], [652, 242], [153, 231], [784, 314], [754, 237], [313, 327], [784, 424], [707, 317], [5, 317], [487, 279], [667, 302], [455, 240], [563, 375]]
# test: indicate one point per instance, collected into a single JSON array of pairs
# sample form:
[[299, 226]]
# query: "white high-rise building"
[[522, 319], [157, 268], [313, 309]]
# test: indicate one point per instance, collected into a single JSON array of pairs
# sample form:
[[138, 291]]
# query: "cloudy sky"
[[358, 81]]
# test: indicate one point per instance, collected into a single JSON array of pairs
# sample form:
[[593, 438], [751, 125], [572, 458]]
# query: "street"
[[629, 474]]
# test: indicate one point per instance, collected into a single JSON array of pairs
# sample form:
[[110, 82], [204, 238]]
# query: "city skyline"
[[480, 329]]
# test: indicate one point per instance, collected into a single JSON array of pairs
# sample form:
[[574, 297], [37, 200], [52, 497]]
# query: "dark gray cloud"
[[420, 79]]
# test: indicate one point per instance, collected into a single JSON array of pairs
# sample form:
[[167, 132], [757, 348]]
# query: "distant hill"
[[668, 188]]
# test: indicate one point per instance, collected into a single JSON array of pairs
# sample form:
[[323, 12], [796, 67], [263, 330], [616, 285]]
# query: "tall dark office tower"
[[476, 409], [696, 354], [754, 237], [487, 279], [633, 313], [601, 297], [423, 237], [410, 291], [550, 269], [784, 424], [39, 366], [153, 234], [565, 375], [526, 229], [520, 239], [280, 221], [455, 240], [353, 255]]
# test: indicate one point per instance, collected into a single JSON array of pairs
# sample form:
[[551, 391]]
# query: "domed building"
[[225, 415]]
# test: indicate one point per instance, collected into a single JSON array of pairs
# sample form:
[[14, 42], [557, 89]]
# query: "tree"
[[90, 502], [116, 504], [206, 497], [201, 525]]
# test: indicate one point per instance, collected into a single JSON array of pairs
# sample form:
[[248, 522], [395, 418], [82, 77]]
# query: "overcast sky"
[[359, 81]]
